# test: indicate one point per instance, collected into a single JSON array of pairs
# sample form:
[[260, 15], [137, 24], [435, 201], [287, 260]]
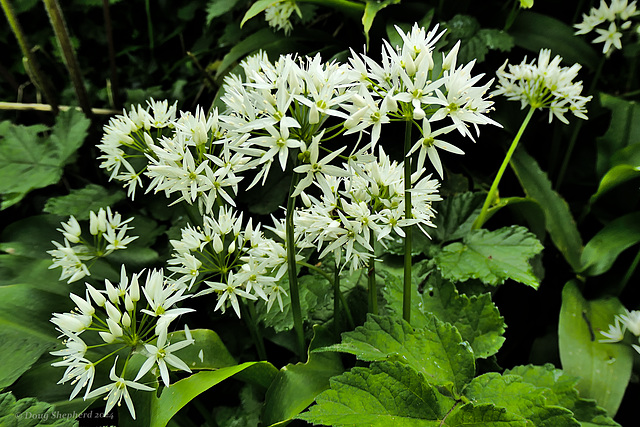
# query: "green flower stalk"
[[537, 86]]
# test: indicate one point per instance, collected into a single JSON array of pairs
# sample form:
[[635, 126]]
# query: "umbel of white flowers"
[[617, 14], [116, 321], [545, 84]]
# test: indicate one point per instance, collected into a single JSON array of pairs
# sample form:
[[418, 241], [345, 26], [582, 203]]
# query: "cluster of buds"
[[109, 233]]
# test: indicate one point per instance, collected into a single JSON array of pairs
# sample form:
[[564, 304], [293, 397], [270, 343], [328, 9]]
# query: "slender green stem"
[[333, 281], [294, 292], [336, 301], [576, 129], [40, 80], [371, 273], [406, 298], [147, 6], [249, 311], [479, 222], [68, 53]]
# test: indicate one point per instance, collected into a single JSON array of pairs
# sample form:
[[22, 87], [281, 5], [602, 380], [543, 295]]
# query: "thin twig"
[[39, 80], [20, 106], [68, 53]]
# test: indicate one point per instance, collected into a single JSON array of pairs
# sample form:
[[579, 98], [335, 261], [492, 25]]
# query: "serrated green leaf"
[[265, 40], [29, 161], [476, 318], [297, 385], [558, 219], [519, 398], [604, 369], [623, 131], [80, 202], [491, 256], [29, 412], [437, 351], [603, 249], [174, 398], [558, 388], [483, 415], [385, 394], [535, 31]]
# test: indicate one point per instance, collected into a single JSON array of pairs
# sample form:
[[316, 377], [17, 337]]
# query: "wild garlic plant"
[[294, 114], [116, 323]]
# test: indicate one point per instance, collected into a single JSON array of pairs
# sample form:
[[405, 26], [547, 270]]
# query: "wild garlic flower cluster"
[[233, 260], [365, 206], [405, 86], [109, 233], [545, 84], [277, 15], [127, 140], [116, 322], [294, 113], [618, 15], [629, 321]]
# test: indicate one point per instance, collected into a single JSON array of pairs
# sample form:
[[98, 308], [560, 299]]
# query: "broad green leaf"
[[29, 161], [535, 31], [32, 236], [249, 45], [615, 176], [558, 389], [476, 318], [217, 8], [491, 256], [207, 351], [255, 9], [371, 8], [603, 249], [393, 394], [623, 131], [29, 412], [604, 369], [518, 397], [174, 398], [297, 385], [559, 221], [455, 216], [437, 351], [80, 202], [25, 328], [385, 394]]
